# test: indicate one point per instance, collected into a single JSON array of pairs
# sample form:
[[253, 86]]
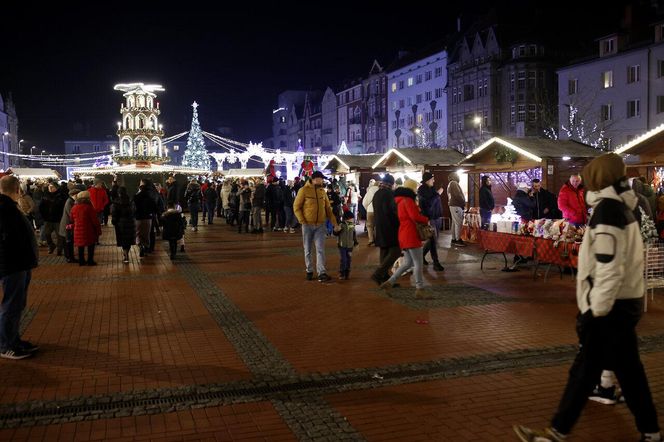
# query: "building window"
[[439, 72], [439, 92], [660, 104], [418, 79], [572, 86], [401, 122], [409, 101], [428, 96], [660, 68], [532, 80], [410, 81], [418, 98], [607, 79], [420, 118], [606, 112], [439, 114], [400, 84], [521, 80], [401, 104], [427, 76], [532, 113], [468, 92], [409, 120], [608, 46], [480, 91], [512, 81], [521, 115], [395, 105], [512, 115], [486, 87], [633, 73], [394, 86], [633, 108]]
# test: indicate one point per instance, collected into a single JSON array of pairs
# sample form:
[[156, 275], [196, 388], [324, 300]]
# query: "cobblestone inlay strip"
[[101, 278], [445, 296], [308, 417], [291, 396], [26, 318]]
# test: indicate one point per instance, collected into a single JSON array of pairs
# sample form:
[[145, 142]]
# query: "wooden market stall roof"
[[349, 163], [419, 157], [244, 173], [524, 153], [33, 172], [645, 149]]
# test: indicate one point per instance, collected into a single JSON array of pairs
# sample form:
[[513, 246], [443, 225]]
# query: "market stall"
[[355, 168], [644, 156], [412, 163], [33, 173], [509, 161]]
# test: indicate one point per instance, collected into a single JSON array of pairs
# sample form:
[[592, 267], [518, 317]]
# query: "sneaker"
[[526, 434], [606, 396], [323, 277], [377, 280], [292, 230], [651, 437], [27, 346], [460, 243], [92, 263], [310, 276], [387, 285], [422, 294], [424, 261], [125, 260], [15, 353], [438, 267]]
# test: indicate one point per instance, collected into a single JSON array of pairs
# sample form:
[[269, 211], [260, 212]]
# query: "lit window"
[[607, 79], [411, 81], [394, 87], [572, 86]]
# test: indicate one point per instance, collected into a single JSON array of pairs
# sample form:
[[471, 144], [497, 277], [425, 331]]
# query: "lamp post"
[[5, 160], [478, 121]]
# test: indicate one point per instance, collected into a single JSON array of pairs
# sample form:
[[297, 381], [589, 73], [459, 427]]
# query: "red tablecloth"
[[565, 255]]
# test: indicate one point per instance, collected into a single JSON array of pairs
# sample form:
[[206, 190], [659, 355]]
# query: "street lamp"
[[5, 160], [42, 152], [478, 121], [113, 150]]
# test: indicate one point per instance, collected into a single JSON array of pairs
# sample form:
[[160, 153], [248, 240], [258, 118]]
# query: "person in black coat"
[[546, 203], [211, 196], [523, 202], [173, 227], [172, 195], [18, 256], [124, 221], [387, 228], [51, 207], [145, 209], [431, 207], [487, 203]]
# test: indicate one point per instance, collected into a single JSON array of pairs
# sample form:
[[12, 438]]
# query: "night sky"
[[61, 62]]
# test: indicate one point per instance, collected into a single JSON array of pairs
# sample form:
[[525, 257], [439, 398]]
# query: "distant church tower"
[[139, 132]]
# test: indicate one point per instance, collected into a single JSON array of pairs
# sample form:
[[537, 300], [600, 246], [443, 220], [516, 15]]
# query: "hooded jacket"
[[429, 201], [454, 193], [312, 206], [611, 254], [409, 215]]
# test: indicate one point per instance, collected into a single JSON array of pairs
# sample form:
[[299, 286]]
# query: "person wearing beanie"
[[571, 201], [609, 296], [432, 208], [409, 239], [346, 242], [523, 202], [312, 209], [457, 203], [386, 222]]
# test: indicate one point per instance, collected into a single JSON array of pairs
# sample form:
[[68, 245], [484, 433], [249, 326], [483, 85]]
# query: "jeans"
[[353, 208], [15, 295], [486, 218], [243, 220], [432, 244], [314, 234], [388, 255], [411, 257], [193, 210], [49, 228], [256, 218], [143, 227], [210, 211], [608, 341], [172, 247], [345, 255], [457, 221], [288, 210]]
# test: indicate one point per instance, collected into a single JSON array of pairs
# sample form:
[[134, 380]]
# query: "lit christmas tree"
[[196, 155]]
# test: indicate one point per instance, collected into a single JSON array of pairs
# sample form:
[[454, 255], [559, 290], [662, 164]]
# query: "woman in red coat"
[[409, 240], [87, 228]]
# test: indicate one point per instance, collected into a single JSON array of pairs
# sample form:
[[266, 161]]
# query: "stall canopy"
[[243, 173], [139, 169], [417, 159], [646, 150], [33, 173], [502, 154], [351, 163]]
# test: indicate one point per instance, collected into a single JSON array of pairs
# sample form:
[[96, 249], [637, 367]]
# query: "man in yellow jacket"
[[312, 209]]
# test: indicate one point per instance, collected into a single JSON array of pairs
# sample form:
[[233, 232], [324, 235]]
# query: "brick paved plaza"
[[229, 342]]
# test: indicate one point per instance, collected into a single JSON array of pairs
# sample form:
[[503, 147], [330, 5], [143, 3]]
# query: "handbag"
[[425, 231]]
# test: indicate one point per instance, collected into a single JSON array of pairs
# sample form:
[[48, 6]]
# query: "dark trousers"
[[345, 255], [608, 341], [50, 228], [432, 244], [193, 211], [172, 247], [388, 255], [69, 250], [277, 217], [14, 299], [243, 219], [486, 218], [210, 212], [91, 254]]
